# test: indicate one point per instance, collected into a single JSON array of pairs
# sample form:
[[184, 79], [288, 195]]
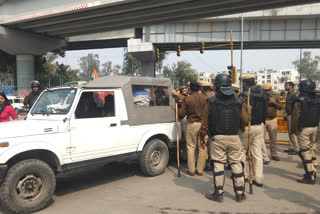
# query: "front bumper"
[[3, 171]]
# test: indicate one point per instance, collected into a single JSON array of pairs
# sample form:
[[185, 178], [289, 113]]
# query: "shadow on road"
[[197, 184], [286, 173], [283, 173], [294, 197], [91, 177]]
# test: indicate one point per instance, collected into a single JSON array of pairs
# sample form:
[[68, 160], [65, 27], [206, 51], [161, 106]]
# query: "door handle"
[[113, 124]]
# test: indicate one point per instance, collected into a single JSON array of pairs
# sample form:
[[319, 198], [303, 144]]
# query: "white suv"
[[111, 118], [17, 103]]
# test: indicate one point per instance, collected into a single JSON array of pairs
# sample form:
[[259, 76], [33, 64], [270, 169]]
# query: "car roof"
[[14, 97], [123, 81]]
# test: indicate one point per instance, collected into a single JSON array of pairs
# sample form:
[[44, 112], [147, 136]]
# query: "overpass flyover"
[[33, 27], [289, 27]]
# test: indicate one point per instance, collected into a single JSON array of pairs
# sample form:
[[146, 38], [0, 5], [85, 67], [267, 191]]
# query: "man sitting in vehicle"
[[141, 97]]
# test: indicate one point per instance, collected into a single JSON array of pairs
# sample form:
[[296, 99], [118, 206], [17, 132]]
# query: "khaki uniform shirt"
[[295, 118], [272, 108], [289, 102], [245, 113], [193, 106], [209, 94]]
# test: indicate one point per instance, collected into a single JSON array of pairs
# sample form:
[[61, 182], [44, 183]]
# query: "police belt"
[[194, 122], [254, 124]]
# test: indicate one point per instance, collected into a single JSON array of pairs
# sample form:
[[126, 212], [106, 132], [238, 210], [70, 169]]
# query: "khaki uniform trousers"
[[265, 155], [193, 142], [306, 140], [227, 149], [314, 148], [184, 124], [257, 140], [293, 143], [271, 128]]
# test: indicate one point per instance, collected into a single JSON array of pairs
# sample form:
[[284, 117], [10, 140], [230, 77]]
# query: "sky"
[[210, 61]]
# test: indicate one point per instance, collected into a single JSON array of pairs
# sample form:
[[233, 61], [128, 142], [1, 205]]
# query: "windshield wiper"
[[43, 112]]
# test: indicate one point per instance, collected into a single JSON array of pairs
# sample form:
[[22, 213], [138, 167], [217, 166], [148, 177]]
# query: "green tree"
[[87, 63], [131, 66], [309, 66], [52, 73], [180, 73], [108, 68], [65, 73], [7, 69]]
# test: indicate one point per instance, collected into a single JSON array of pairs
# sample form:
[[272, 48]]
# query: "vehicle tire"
[[154, 158], [28, 186], [17, 110]]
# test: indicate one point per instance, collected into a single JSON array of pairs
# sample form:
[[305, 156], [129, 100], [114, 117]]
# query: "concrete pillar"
[[147, 69], [25, 71], [144, 52]]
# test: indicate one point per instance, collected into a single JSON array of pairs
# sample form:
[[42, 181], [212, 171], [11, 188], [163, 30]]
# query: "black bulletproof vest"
[[224, 116], [33, 97], [310, 110], [258, 101]]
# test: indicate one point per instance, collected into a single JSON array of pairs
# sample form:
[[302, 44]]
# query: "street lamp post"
[[300, 64], [240, 82]]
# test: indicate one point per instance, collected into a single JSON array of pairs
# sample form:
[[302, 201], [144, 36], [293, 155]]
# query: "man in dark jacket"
[[34, 94], [293, 144]]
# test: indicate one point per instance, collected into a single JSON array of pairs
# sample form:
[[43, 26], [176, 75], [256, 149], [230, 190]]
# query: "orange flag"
[[94, 73]]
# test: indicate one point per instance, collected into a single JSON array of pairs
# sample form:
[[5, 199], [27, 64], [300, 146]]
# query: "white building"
[[289, 75], [206, 76], [277, 78]]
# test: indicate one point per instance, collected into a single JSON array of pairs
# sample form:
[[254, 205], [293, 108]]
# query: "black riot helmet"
[[35, 83], [223, 84], [307, 86]]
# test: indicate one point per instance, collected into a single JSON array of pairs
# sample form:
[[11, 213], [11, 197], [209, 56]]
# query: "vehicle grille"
[[48, 130]]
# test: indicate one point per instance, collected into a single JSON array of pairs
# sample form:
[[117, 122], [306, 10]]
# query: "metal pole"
[[49, 79], [300, 64], [231, 42], [240, 82]]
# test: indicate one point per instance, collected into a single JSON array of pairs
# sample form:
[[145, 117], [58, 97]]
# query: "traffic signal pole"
[[231, 44], [241, 59]]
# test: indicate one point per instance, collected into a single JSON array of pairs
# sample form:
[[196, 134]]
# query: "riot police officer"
[[305, 120], [258, 103], [221, 121], [34, 94]]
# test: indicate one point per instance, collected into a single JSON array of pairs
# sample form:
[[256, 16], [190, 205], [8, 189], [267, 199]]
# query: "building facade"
[[277, 78], [207, 76]]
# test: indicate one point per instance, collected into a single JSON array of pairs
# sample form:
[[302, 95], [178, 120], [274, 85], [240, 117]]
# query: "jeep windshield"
[[57, 101]]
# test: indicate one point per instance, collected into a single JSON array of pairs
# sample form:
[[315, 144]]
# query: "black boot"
[[307, 179], [215, 197], [240, 197]]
